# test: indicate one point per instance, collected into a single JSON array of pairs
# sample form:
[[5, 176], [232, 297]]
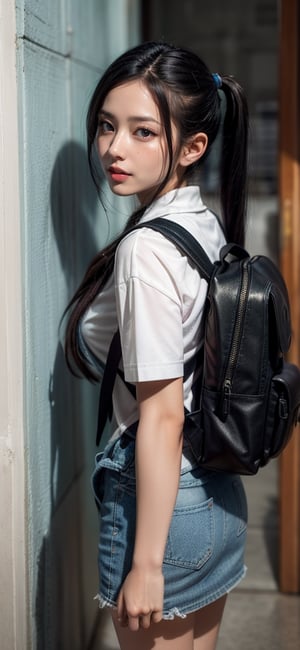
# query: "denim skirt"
[[204, 554]]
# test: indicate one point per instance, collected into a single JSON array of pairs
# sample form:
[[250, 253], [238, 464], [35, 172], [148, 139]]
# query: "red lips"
[[117, 170], [117, 174]]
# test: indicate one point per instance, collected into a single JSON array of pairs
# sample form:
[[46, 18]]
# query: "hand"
[[140, 600]]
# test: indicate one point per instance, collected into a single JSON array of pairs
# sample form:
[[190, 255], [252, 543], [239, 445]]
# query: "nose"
[[117, 146]]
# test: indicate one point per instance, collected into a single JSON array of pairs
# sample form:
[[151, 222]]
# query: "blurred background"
[[241, 40]]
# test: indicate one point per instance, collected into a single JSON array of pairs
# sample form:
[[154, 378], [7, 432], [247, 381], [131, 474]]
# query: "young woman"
[[172, 534]]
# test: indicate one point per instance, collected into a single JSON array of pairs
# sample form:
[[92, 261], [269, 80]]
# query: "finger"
[[156, 617], [133, 623], [145, 620], [121, 614]]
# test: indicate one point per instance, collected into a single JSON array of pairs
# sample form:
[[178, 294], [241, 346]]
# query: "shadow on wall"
[[59, 601]]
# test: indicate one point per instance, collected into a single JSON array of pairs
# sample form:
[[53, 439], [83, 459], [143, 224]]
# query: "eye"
[[105, 127], [144, 133]]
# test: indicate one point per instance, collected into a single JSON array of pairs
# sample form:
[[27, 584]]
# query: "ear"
[[193, 150]]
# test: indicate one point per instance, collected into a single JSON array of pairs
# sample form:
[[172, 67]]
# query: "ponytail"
[[234, 159]]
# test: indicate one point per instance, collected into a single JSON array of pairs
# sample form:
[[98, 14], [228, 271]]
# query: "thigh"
[[197, 631], [207, 625]]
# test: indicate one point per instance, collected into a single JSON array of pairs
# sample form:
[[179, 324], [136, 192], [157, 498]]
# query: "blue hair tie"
[[217, 79]]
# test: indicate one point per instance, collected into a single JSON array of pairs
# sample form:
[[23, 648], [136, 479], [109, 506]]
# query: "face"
[[131, 142]]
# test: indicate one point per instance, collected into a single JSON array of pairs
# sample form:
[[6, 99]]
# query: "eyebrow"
[[133, 118]]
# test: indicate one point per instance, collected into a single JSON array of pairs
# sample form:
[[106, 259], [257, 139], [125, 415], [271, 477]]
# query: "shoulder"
[[145, 251]]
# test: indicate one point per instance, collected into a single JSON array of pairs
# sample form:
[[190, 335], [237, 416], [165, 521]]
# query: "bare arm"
[[158, 458]]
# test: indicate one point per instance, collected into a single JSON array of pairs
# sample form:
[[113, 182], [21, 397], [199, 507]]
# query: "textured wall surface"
[[62, 47]]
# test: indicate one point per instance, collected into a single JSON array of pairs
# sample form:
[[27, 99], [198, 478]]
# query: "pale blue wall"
[[62, 46]]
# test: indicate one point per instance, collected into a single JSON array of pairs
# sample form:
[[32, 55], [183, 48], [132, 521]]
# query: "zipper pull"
[[225, 400]]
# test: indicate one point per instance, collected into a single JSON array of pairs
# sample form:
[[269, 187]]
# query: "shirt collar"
[[181, 200]]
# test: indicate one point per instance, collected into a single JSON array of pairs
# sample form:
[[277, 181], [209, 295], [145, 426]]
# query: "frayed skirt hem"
[[167, 616], [171, 614]]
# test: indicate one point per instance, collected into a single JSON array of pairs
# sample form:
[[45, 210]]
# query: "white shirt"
[[156, 298]]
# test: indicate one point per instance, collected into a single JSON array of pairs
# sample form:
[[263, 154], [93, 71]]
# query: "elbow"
[[163, 425], [180, 422], [161, 407], [173, 422]]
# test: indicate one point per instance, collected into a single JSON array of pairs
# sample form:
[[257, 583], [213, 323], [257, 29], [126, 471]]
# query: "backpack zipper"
[[235, 346]]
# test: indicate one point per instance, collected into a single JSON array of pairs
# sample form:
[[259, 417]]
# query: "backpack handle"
[[234, 250]]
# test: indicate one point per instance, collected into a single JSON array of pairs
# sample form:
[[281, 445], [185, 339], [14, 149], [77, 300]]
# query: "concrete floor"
[[256, 615]]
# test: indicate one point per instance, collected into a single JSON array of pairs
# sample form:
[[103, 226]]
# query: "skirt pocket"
[[119, 457], [97, 481], [191, 535]]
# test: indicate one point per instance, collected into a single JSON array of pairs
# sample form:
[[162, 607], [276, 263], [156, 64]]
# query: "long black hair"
[[186, 93]]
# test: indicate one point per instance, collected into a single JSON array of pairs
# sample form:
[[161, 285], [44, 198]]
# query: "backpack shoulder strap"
[[111, 370], [183, 240], [108, 380]]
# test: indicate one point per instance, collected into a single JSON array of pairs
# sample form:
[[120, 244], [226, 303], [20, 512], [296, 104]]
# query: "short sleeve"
[[149, 306]]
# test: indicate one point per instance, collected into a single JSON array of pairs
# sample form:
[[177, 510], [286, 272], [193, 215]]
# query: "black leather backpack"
[[249, 397]]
